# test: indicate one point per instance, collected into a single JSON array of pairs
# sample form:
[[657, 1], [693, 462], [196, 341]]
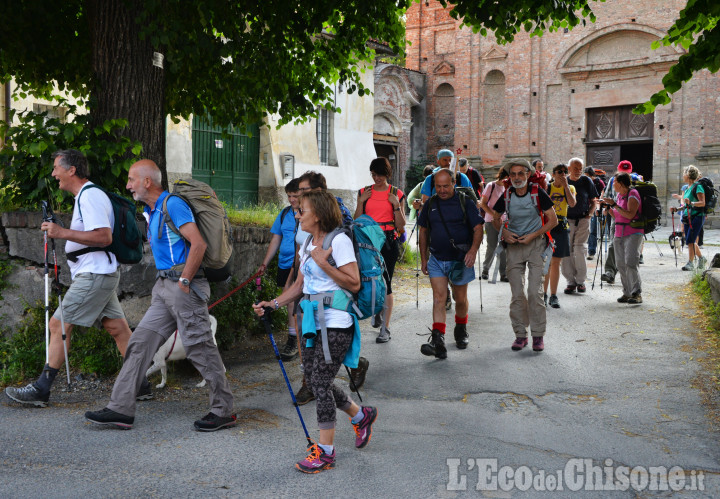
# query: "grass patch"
[[261, 215], [408, 257], [701, 287]]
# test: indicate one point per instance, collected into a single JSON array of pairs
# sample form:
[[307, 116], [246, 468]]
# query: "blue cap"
[[445, 152]]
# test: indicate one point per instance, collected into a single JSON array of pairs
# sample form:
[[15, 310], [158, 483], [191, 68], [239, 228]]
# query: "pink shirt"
[[621, 229], [497, 191]]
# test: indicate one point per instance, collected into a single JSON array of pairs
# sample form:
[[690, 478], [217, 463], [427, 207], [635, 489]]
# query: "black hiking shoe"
[[461, 336], [145, 392], [304, 395], [28, 395], [213, 422], [554, 302], [435, 346], [110, 418], [635, 299], [357, 375], [290, 350], [377, 320], [608, 278]]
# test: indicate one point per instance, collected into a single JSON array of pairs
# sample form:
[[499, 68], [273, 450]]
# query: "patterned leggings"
[[320, 376]]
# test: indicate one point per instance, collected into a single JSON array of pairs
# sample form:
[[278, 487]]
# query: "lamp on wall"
[[288, 164]]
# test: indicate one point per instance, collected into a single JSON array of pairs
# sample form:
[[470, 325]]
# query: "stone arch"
[[445, 115], [620, 44], [494, 107], [386, 123]]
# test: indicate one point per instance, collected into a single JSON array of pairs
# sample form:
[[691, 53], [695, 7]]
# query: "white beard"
[[519, 185]]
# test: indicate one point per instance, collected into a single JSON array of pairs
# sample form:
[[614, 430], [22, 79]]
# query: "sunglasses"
[[301, 211]]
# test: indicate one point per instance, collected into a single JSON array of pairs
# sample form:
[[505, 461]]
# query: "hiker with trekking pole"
[[331, 335], [92, 296], [177, 233]]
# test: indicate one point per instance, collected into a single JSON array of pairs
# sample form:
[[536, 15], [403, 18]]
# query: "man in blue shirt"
[[445, 157], [283, 230], [179, 301], [450, 236]]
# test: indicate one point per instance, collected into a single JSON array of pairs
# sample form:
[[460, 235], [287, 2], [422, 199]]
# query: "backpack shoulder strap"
[[283, 213], [165, 216], [86, 186], [361, 192]]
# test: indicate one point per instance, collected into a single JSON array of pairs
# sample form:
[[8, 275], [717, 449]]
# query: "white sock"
[[292, 331], [329, 449], [358, 417]]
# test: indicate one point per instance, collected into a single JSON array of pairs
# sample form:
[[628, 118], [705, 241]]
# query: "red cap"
[[625, 166]]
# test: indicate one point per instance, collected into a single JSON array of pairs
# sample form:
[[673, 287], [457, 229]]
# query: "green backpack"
[[126, 237]]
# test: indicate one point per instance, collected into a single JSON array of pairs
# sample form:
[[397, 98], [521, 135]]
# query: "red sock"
[[440, 326], [461, 320]]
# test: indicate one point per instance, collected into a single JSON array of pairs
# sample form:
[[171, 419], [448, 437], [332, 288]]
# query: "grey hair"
[[576, 160], [73, 157], [692, 172]]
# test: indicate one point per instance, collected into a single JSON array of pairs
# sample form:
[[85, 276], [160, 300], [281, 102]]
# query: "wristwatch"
[[184, 281]]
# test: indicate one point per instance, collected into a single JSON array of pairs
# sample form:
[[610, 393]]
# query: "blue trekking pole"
[[265, 319]]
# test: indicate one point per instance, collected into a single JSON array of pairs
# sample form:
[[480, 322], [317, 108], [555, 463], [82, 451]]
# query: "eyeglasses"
[[305, 189]]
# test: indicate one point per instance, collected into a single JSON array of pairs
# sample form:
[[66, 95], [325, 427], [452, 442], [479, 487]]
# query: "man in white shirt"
[[92, 296]]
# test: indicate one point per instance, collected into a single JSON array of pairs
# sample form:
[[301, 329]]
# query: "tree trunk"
[[126, 83]]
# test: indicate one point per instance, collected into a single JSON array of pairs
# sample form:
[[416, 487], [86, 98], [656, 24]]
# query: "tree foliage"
[[235, 60], [695, 29]]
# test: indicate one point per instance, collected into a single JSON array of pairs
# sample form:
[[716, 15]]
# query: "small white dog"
[[173, 349]]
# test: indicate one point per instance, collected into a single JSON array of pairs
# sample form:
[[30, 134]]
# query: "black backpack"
[[468, 191], [126, 236], [650, 207], [711, 194]]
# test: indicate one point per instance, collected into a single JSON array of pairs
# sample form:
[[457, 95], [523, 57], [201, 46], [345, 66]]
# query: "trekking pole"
[[47, 288], [417, 270], [480, 279], [600, 254], [265, 319], [49, 216], [674, 237]]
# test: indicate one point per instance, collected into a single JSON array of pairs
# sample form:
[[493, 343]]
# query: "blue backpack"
[[368, 239]]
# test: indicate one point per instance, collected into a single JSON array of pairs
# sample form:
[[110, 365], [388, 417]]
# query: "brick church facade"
[[566, 94]]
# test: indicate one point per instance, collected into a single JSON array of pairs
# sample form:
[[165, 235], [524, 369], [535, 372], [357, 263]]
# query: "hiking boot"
[[554, 302], [688, 266], [376, 320], [570, 289], [316, 461], [290, 350], [435, 346], [623, 299], [110, 418], [357, 375], [363, 430], [702, 261], [504, 278], [538, 344], [635, 299], [519, 344], [641, 260], [591, 256], [461, 336], [213, 422], [545, 299], [384, 336], [485, 275], [608, 278], [28, 395], [304, 395], [581, 288], [145, 392]]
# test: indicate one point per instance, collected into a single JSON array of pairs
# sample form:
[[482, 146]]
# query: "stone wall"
[[22, 239]]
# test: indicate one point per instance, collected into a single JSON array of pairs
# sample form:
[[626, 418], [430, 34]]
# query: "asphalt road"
[[613, 390]]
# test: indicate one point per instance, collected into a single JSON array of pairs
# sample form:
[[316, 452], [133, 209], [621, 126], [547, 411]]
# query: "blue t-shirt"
[[285, 227], [169, 249], [460, 230], [429, 191]]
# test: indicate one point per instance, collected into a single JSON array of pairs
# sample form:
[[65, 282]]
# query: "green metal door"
[[229, 164]]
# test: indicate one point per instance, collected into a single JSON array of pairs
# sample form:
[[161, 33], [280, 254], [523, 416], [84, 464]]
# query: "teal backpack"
[[368, 239], [126, 237]]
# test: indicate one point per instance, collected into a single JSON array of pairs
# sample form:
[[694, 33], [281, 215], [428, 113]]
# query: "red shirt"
[[380, 209]]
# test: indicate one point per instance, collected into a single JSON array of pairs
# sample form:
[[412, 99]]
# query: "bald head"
[[145, 182], [148, 169]]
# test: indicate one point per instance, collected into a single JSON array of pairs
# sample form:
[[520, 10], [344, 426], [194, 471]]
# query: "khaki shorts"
[[91, 298]]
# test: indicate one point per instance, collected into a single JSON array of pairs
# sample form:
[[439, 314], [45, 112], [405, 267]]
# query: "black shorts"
[[561, 236], [282, 276], [390, 253]]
